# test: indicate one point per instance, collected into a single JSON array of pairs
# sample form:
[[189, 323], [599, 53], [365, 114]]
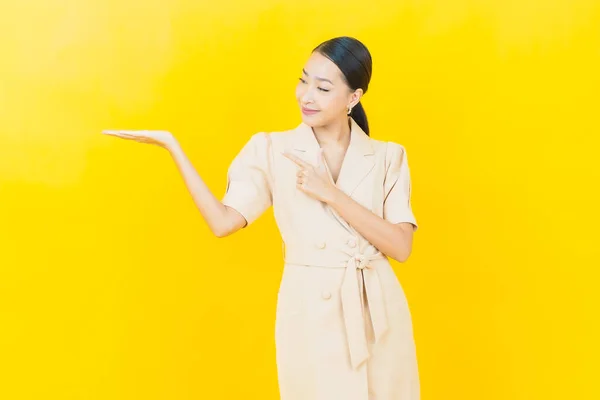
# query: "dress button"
[[321, 245], [326, 295], [352, 243]]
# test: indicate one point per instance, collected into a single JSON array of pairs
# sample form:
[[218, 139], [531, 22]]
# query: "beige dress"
[[343, 326]]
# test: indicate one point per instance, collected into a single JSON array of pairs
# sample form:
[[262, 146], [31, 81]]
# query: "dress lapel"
[[305, 142], [357, 164], [358, 161]]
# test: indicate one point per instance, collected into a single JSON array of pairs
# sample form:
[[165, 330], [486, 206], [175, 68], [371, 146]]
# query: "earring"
[[349, 110]]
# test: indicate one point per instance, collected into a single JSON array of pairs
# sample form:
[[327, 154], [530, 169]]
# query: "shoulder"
[[259, 138], [264, 136], [282, 134], [392, 152], [261, 144], [277, 140], [386, 146], [258, 141], [255, 147], [396, 150]]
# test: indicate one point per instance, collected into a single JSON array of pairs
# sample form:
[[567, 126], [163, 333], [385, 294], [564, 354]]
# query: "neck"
[[334, 133]]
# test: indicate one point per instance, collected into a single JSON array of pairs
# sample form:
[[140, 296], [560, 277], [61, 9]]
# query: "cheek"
[[332, 104]]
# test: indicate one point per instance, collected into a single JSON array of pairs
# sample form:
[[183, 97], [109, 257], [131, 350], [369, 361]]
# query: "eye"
[[324, 90], [302, 80]]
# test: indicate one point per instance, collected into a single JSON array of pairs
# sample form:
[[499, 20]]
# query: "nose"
[[306, 100], [306, 97]]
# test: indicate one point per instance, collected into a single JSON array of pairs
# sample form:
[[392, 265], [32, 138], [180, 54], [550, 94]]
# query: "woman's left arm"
[[393, 240]]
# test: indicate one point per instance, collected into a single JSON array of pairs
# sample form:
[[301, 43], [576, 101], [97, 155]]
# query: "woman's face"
[[322, 93]]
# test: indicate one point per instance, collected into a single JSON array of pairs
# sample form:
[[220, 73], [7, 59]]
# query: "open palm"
[[159, 138]]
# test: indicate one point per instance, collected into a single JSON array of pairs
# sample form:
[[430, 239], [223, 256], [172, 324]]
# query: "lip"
[[308, 111]]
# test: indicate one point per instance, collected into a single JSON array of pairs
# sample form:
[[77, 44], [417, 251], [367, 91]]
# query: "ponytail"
[[360, 116]]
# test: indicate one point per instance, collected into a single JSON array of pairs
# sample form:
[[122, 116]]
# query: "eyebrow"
[[316, 77]]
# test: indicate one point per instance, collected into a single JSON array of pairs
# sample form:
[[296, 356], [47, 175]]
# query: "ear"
[[355, 97]]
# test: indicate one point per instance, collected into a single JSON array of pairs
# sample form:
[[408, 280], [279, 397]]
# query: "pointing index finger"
[[297, 160]]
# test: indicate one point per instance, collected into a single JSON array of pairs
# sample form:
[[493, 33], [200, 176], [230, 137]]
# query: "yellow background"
[[111, 287]]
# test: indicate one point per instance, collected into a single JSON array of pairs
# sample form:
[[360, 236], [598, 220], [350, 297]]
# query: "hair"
[[354, 60]]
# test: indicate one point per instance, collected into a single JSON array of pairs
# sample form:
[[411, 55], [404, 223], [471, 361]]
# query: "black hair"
[[354, 60]]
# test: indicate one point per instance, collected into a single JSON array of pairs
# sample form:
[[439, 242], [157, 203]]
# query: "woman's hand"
[[160, 138], [314, 180]]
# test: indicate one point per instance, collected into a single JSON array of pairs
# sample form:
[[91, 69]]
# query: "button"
[[352, 243], [326, 295], [321, 245]]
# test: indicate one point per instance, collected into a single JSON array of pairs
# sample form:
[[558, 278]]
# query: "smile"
[[307, 111]]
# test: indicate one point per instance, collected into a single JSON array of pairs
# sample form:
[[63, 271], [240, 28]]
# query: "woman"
[[342, 204]]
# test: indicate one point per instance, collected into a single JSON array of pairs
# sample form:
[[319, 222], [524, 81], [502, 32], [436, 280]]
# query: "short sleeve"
[[397, 204], [248, 179]]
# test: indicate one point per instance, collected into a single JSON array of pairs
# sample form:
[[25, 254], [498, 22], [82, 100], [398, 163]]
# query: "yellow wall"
[[110, 284]]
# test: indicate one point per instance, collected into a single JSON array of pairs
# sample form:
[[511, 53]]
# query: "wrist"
[[172, 145], [334, 196]]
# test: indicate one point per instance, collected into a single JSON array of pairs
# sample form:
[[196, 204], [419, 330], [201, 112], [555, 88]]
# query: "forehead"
[[320, 66]]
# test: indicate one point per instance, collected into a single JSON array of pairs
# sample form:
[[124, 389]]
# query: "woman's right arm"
[[221, 219]]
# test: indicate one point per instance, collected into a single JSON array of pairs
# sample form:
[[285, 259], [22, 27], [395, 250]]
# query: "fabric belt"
[[360, 278]]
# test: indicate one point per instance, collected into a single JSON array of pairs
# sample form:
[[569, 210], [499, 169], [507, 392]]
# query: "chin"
[[309, 121], [312, 120]]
